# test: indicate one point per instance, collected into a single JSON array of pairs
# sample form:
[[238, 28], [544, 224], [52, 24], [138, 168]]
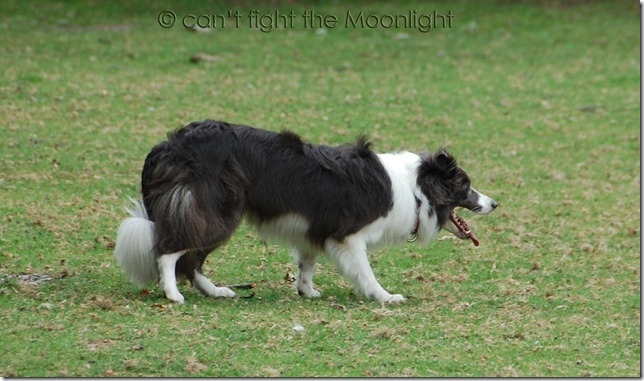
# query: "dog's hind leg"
[[191, 265], [350, 256], [206, 287], [167, 277], [305, 262]]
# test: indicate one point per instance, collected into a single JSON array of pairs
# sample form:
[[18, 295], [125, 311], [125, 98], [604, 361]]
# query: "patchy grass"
[[540, 102]]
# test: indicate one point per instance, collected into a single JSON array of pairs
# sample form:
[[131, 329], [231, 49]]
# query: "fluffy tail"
[[134, 249]]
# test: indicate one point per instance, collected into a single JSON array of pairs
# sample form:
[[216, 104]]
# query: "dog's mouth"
[[457, 226]]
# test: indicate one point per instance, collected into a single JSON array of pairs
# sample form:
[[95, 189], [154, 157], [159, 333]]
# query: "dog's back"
[[196, 185]]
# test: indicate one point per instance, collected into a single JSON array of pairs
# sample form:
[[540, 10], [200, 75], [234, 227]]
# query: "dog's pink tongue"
[[474, 239]]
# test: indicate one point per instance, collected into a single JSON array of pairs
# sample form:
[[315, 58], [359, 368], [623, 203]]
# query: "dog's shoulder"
[[290, 140], [198, 129], [363, 146]]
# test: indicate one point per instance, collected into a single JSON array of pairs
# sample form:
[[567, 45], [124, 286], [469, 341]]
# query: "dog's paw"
[[396, 298], [309, 293], [175, 296], [224, 292], [386, 297]]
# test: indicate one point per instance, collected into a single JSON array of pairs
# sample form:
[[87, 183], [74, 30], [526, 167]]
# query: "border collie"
[[341, 201]]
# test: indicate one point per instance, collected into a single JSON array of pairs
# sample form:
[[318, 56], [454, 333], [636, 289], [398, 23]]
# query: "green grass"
[[539, 101]]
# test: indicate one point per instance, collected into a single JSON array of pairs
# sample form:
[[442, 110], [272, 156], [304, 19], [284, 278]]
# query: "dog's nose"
[[494, 205]]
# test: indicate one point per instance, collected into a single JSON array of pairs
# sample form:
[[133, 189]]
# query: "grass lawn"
[[539, 101]]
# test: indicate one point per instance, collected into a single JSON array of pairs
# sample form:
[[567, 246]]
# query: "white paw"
[[309, 293], [224, 292], [175, 296], [396, 298], [313, 293], [388, 298]]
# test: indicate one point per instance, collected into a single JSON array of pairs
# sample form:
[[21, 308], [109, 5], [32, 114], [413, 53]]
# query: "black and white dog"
[[341, 201]]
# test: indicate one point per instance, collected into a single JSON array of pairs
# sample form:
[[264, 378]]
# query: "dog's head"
[[447, 186]]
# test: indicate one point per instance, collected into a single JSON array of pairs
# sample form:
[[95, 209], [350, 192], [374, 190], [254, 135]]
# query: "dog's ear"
[[445, 163], [441, 180], [432, 178]]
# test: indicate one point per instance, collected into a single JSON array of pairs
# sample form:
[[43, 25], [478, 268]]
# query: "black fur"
[[197, 185], [445, 184]]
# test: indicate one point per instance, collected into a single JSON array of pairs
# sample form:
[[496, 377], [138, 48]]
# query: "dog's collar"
[[414, 232]]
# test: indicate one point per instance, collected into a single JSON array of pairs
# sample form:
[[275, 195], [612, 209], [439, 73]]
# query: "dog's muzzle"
[[476, 202]]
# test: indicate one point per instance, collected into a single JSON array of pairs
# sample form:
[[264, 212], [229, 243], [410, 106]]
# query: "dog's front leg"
[[350, 256]]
